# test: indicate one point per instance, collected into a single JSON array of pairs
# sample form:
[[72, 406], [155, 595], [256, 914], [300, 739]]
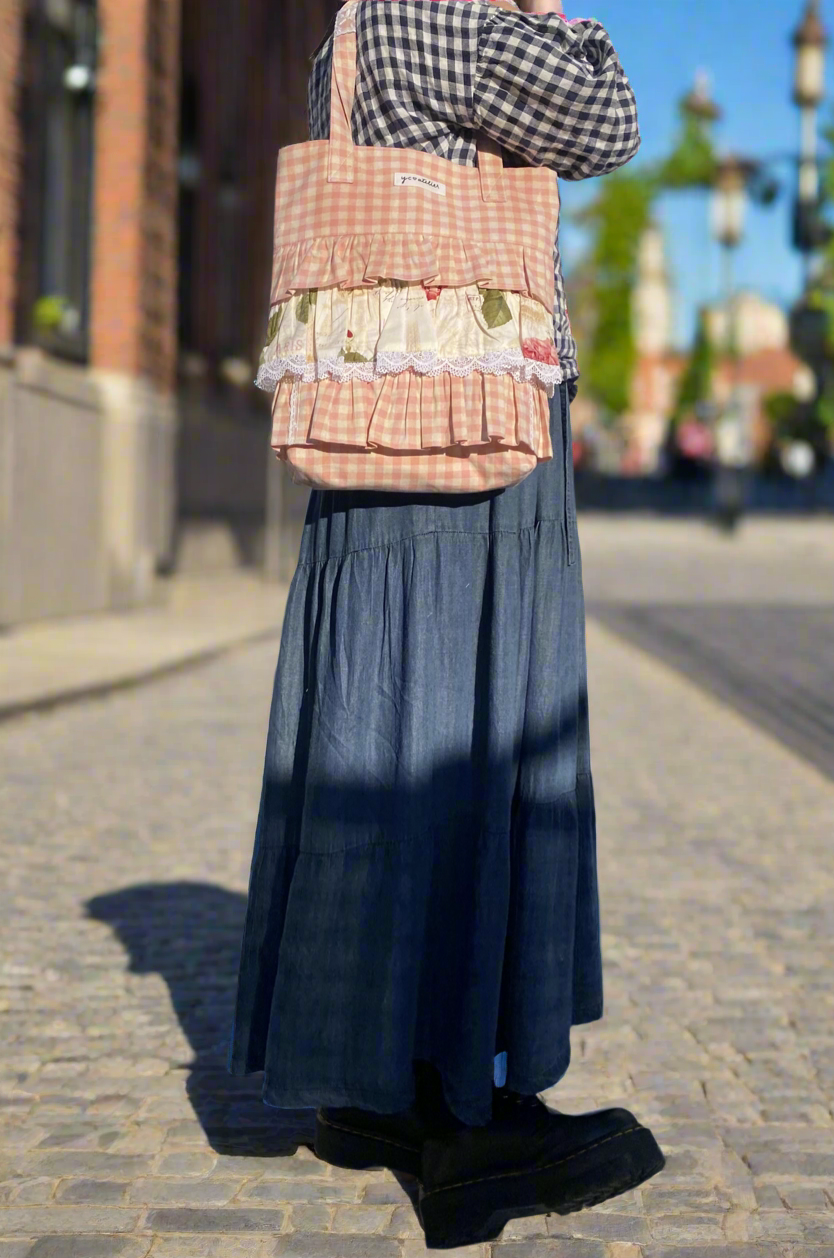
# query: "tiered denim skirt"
[[424, 880]]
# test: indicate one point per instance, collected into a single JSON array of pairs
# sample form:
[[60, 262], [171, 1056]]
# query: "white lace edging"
[[294, 411], [426, 363]]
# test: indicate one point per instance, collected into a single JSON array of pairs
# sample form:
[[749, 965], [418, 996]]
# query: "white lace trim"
[[345, 19], [294, 411], [425, 363]]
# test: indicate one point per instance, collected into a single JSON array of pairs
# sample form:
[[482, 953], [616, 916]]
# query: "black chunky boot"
[[529, 1160], [363, 1140]]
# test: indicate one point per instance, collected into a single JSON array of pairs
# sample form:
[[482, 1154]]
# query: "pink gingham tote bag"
[[358, 219]]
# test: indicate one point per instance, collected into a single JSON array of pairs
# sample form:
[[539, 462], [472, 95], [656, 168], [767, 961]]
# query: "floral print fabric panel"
[[365, 333]]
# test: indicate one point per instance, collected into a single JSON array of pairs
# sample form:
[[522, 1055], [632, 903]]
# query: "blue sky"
[[745, 47]]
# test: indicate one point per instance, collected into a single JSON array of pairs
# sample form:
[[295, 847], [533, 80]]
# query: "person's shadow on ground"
[[190, 933]]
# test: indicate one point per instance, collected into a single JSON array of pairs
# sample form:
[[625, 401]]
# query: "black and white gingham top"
[[430, 73]]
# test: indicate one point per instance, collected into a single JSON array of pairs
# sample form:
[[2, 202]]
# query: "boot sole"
[[343, 1145], [478, 1210]]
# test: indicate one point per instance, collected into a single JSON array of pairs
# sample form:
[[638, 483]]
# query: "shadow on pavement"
[[773, 664], [190, 933]]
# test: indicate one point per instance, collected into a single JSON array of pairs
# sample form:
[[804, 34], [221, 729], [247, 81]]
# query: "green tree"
[[782, 410], [820, 295], [696, 381], [618, 219], [692, 162]]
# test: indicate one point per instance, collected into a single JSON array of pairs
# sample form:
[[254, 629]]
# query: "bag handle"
[[340, 166], [342, 88], [490, 168]]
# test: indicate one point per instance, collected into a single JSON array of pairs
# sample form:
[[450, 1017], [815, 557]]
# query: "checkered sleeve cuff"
[[555, 93]]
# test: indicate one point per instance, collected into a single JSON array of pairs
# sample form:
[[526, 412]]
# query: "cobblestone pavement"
[[126, 836]]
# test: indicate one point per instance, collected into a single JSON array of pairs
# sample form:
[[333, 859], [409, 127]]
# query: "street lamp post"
[[729, 212], [809, 323], [732, 440], [810, 41], [733, 182], [698, 102]]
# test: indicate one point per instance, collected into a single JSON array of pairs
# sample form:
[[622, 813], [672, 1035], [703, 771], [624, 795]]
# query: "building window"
[[58, 114]]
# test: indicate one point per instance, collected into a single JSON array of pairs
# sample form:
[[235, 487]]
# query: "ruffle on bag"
[[413, 412], [366, 333], [444, 261]]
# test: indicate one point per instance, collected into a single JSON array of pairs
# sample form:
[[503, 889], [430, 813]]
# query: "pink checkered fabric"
[[421, 219], [437, 472], [409, 411]]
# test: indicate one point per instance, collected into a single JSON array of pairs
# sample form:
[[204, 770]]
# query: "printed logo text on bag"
[[431, 185]]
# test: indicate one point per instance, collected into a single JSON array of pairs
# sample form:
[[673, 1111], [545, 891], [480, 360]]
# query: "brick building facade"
[[10, 39], [138, 141]]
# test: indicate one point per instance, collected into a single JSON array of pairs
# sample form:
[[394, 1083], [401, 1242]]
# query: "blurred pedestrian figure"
[[733, 457], [423, 921], [692, 447]]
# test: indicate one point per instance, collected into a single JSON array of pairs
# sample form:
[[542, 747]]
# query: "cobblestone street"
[[126, 835]]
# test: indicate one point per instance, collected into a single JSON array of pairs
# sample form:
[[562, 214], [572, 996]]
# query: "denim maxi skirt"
[[424, 881]]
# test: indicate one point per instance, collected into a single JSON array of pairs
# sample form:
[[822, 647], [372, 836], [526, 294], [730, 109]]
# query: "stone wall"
[[53, 545]]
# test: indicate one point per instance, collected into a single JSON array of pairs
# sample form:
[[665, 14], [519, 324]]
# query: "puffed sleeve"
[[550, 91], [554, 92]]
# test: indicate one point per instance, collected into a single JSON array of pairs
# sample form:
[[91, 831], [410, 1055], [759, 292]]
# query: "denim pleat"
[[424, 882]]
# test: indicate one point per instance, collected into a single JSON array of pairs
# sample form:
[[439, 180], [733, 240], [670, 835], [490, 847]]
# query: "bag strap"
[[342, 89], [490, 168], [340, 168]]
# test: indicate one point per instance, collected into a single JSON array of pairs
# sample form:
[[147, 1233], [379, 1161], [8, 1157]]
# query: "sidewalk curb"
[[133, 679]]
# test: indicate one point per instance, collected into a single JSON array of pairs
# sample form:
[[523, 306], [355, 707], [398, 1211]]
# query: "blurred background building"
[[766, 363], [138, 141]]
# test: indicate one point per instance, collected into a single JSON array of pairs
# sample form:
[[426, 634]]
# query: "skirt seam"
[[412, 537], [417, 835]]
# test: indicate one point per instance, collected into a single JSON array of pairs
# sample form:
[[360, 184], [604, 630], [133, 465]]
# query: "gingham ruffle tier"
[[409, 412], [361, 261]]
